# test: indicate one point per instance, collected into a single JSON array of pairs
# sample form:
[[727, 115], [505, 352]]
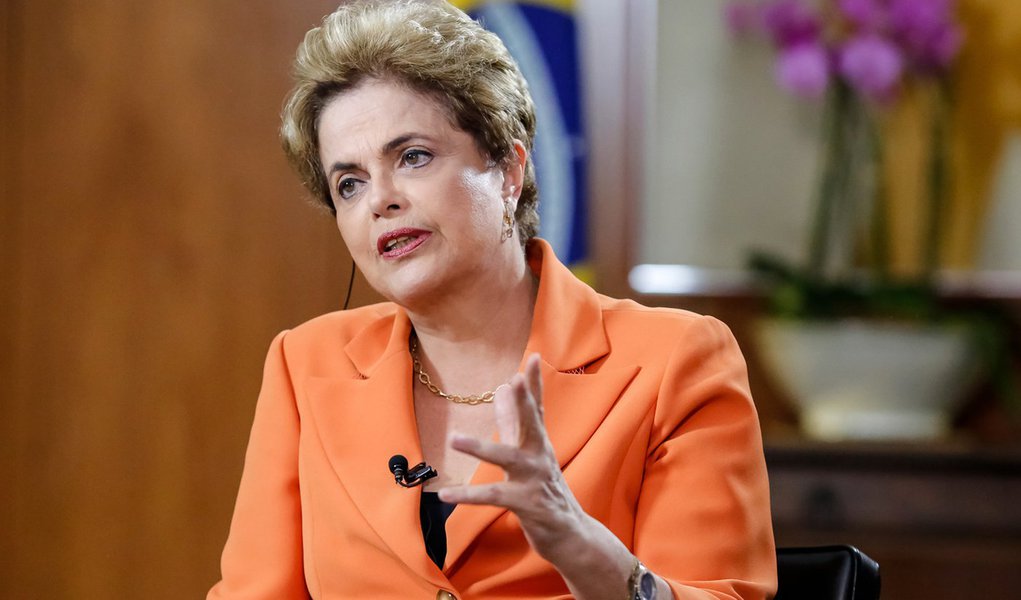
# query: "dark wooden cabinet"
[[943, 520]]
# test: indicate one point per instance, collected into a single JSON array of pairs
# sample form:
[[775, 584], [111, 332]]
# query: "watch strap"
[[634, 580]]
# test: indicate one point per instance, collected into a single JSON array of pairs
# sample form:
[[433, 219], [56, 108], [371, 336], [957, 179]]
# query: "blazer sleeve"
[[262, 558], [702, 518]]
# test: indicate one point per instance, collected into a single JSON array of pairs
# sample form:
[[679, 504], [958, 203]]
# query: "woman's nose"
[[386, 198]]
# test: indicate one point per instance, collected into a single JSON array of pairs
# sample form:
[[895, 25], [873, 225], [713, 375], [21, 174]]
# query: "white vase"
[[862, 379]]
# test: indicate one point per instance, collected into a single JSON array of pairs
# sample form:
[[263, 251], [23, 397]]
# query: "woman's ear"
[[514, 172]]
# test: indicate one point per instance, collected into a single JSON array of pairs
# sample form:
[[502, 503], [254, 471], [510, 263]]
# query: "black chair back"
[[826, 573]]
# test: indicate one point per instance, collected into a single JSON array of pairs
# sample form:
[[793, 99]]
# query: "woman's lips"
[[397, 243]]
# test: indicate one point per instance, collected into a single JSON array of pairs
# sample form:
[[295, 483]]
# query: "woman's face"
[[420, 209]]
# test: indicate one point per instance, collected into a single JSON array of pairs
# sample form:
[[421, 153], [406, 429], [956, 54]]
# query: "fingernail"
[[461, 440]]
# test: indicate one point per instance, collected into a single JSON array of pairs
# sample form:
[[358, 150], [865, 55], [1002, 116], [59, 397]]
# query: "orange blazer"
[[648, 410]]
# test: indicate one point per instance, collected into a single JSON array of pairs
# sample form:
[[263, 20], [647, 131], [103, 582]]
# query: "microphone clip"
[[417, 475], [405, 477]]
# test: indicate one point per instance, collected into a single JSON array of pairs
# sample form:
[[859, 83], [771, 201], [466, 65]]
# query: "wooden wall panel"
[[9, 423], [154, 241]]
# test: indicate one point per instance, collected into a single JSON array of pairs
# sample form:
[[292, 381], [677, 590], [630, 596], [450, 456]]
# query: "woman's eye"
[[416, 158], [347, 187]]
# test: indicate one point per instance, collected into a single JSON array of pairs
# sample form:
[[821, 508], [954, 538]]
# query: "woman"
[[584, 447]]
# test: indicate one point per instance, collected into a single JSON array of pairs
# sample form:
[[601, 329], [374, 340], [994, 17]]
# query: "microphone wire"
[[350, 285]]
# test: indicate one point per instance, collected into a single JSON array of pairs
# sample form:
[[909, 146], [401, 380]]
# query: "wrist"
[[592, 560], [576, 544], [642, 584]]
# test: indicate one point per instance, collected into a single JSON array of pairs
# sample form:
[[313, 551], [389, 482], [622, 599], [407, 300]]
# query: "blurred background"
[[154, 240]]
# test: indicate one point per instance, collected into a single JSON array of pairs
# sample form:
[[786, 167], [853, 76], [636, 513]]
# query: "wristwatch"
[[641, 584]]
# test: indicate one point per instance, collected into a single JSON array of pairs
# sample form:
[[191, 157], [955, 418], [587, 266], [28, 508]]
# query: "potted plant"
[[864, 347]]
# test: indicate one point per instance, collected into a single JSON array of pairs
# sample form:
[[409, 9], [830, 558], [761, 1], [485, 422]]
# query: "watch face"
[[647, 587]]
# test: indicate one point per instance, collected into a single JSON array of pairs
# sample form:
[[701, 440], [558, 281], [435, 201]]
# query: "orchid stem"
[[938, 183], [880, 223], [833, 125]]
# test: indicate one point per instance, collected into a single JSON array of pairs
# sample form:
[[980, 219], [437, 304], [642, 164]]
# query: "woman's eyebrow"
[[387, 148], [341, 166], [401, 140]]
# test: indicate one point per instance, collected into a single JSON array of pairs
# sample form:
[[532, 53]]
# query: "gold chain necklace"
[[472, 400]]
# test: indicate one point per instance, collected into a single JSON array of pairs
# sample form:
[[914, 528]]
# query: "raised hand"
[[534, 488], [595, 564]]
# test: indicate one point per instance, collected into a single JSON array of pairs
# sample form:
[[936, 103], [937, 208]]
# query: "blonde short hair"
[[434, 49]]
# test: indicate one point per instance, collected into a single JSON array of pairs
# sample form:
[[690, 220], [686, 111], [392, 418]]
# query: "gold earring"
[[508, 221]]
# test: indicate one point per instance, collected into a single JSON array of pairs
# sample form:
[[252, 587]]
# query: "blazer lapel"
[[569, 335], [362, 423]]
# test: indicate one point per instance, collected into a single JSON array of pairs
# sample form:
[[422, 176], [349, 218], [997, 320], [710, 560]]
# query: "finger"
[[533, 430], [496, 494], [525, 403], [533, 372], [509, 458], [508, 425]]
